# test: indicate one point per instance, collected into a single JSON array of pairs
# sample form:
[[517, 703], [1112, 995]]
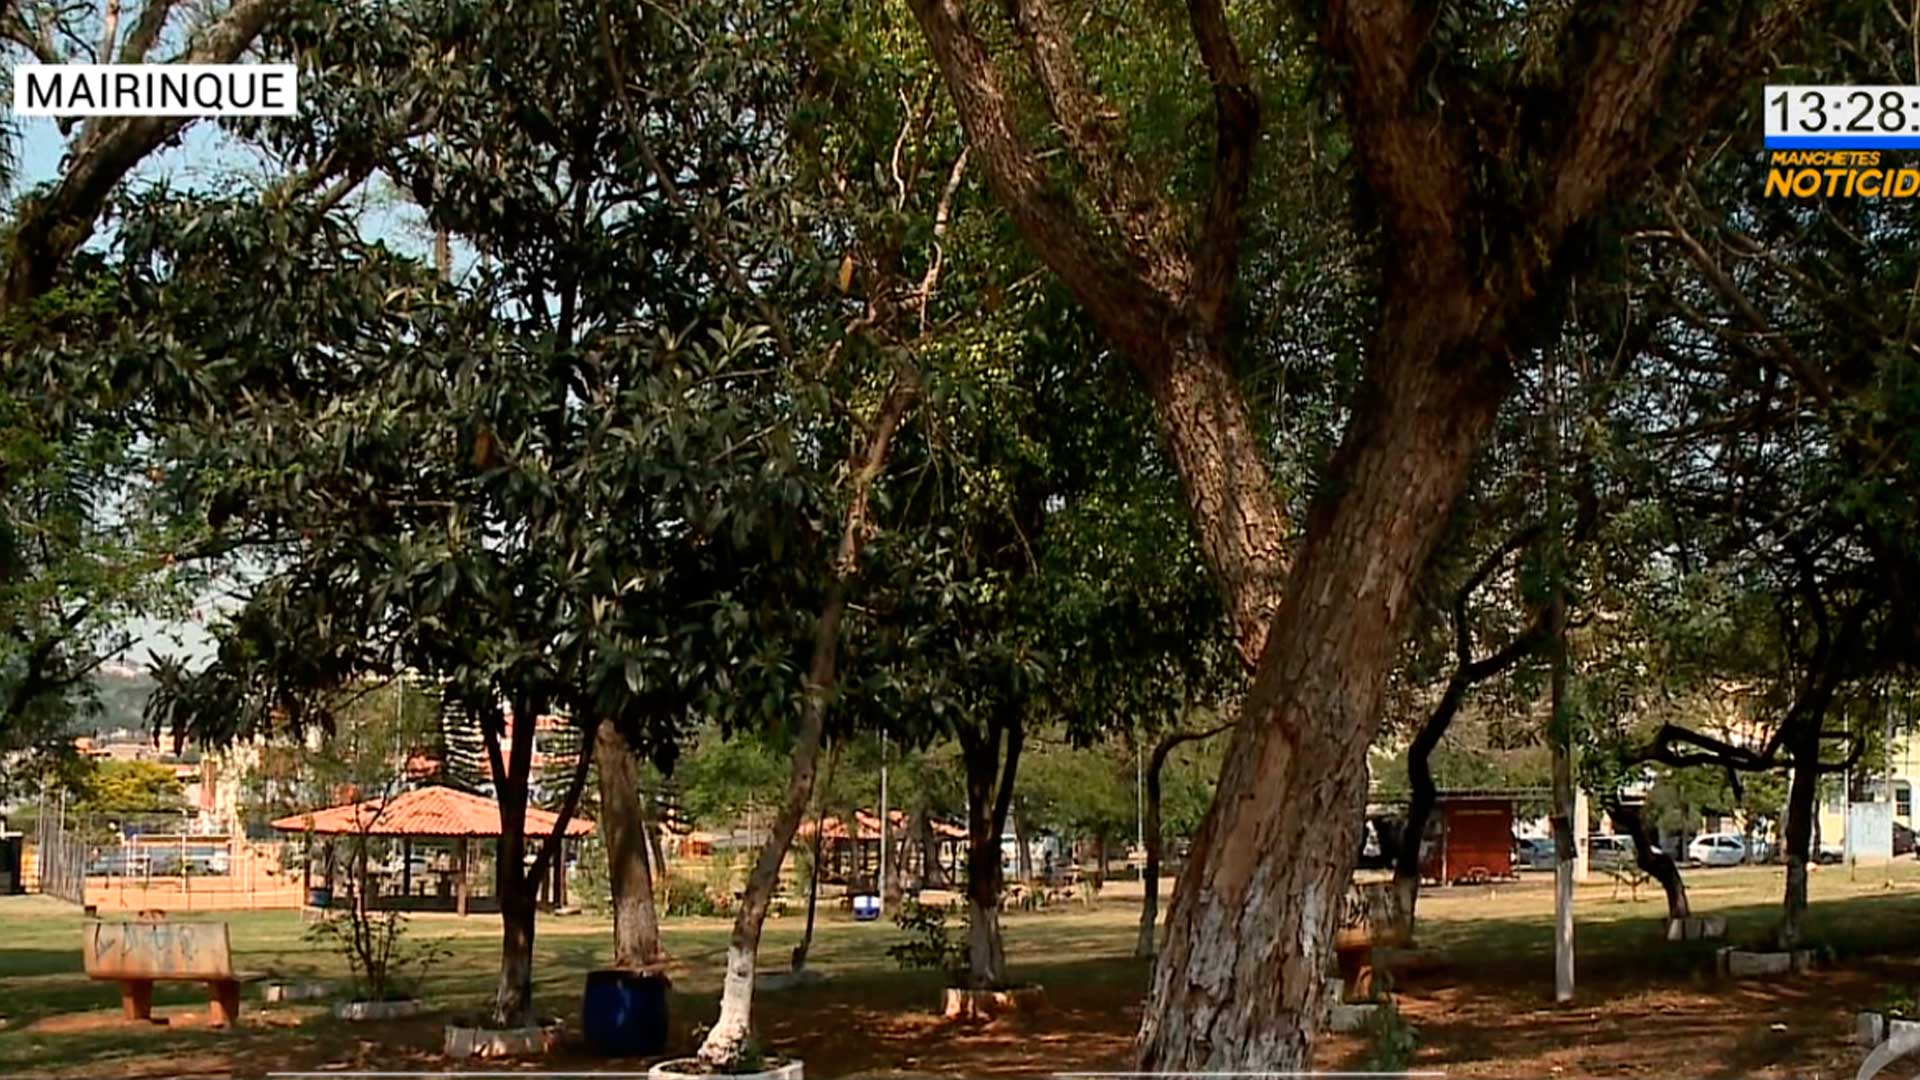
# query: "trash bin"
[[624, 1013], [866, 908], [320, 896]]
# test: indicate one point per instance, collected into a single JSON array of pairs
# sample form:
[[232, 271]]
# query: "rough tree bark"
[[1148, 942], [992, 758], [1239, 980], [1650, 858], [728, 1037], [623, 827]]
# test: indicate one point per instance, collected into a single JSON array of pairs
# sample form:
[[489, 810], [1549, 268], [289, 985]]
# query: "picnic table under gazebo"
[[431, 814]]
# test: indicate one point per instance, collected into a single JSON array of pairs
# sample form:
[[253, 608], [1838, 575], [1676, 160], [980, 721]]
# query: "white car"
[[1718, 849], [1608, 852]]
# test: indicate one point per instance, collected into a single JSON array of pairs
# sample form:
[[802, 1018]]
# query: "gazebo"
[[432, 814]]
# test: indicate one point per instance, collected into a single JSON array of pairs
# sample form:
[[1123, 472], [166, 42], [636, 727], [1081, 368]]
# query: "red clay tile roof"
[[427, 811]]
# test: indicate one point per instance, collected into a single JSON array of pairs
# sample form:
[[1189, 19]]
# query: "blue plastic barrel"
[[624, 1013], [320, 897]]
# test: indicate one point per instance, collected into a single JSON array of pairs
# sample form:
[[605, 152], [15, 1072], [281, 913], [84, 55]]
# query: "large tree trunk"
[[1240, 977], [988, 803], [1239, 981], [1650, 858], [727, 1039], [623, 827]]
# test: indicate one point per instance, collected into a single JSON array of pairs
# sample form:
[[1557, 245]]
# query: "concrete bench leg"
[[224, 1003], [1356, 971], [136, 999]]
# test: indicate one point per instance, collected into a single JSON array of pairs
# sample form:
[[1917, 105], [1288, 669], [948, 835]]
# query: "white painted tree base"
[[693, 1069], [1742, 964], [1347, 1018], [276, 993], [1874, 1028], [378, 1010], [968, 1003], [1697, 928], [480, 1042]]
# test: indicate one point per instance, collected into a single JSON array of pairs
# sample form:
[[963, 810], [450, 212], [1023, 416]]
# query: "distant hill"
[[122, 692]]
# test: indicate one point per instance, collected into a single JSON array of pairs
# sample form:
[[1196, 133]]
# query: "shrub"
[[686, 894], [929, 947], [386, 964], [1391, 1041]]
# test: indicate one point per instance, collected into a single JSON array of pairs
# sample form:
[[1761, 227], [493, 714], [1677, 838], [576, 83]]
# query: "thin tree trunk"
[[1023, 857], [988, 804], [1467, 673], [515, 883], [1148, 942], [1802, 796], [659, 869], [623, 825], [1423, 793], [813, 869], [727, 1039], [1651, 858], [933, 870]]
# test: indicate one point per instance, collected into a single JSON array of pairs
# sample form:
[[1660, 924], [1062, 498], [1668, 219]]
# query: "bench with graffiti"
[[1370, 918], [138, 954]]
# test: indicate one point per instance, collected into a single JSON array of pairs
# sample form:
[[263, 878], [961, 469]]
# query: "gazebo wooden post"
[[406, 866], [460, 882], [306, 869], [560, 877], [329, 872]]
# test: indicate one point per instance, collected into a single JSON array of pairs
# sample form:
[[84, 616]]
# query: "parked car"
[[1533, 853], [1719, 849], [1608, 852]]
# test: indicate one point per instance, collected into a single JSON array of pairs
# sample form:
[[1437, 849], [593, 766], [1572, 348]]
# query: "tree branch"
[[1237, 121], [50, 228]]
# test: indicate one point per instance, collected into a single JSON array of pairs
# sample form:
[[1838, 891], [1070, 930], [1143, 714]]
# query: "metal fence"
[[59, 858], [129, 864]]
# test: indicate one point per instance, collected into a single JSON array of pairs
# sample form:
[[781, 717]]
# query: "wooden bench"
[[138, 954], [1370, 918]]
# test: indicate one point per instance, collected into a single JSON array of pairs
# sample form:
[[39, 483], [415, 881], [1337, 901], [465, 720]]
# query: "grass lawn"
[[1483, 1009]]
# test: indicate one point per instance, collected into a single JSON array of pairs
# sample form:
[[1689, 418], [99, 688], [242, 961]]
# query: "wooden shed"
[[1474, 841]]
